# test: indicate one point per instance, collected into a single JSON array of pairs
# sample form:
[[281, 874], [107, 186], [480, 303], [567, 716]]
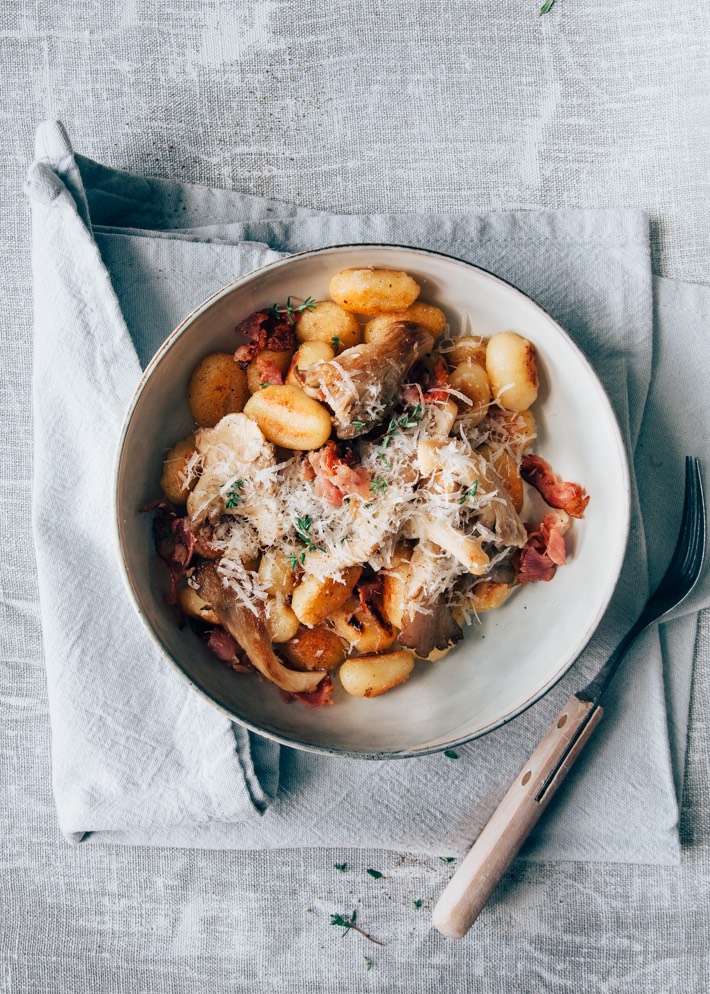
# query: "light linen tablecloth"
[[137, 757]]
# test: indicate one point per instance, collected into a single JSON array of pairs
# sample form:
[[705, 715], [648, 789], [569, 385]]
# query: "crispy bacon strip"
[[263, 330], [569, 497]]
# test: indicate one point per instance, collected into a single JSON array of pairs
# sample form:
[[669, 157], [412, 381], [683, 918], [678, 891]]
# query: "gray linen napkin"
[[118, 260]]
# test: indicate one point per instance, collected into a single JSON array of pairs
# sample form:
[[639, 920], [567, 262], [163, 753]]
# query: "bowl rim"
[[295, 743]]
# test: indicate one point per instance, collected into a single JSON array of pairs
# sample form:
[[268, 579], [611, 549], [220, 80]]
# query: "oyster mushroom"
[[365, 381], [427, 622], [247, 626]]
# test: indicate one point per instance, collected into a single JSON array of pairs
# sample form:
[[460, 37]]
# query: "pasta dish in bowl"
[[366, 480]]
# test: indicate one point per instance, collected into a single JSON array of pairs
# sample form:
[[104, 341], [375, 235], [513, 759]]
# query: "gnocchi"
[[308, 354], [173, 482], [314, 599], [218, 386], [512, 371], [471, 380], [316, 648], [372, 675], [373, 291], [329, 323], [431, 318], [289, 418]]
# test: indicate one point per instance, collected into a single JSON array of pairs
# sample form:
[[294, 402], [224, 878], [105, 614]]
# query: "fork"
[[519, 811]]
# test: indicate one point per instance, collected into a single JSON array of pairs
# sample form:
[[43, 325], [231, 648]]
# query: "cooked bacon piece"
[[426, 386], [337, 475], [323, 694], [174, 542], [534, 565], [552, 529], [270, 374], [222, 645], [545, 549], [225, 648], [436, 380], [264, 330], [569, 497]]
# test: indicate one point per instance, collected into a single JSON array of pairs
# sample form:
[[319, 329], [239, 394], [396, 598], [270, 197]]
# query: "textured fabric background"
[[434, 106]]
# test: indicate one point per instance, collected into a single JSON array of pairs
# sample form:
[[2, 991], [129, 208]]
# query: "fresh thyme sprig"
[[418, 903], [396, 425], [378, 486], [349, 923], [291, 310], [234, 495], [335, 342], [469, 492], [303, 528], [358, 425]]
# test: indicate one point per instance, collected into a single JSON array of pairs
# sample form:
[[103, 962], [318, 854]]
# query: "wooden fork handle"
[[515, 817]]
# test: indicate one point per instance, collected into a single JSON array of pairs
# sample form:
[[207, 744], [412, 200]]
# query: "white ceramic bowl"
[[520, 650]]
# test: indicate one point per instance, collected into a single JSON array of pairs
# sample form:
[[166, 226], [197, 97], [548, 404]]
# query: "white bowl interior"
[[518, 651]]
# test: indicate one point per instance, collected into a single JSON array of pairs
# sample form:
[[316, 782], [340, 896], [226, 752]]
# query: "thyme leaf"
[[468, 493], [376, 874], [450, 754], [358, 425], [418, 903], [447, 859], [234, 495], [547, 6], [378, 486], [341, 866], [335, 342]]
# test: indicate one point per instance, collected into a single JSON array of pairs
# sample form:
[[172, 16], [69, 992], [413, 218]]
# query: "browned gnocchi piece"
[[281, 621], [315, 599], [372, 675], [264, 365], [471, 380], [275, 573], [172, 482], [290, 418], [373, 291], [217, 387], [329, 323], [488, 595], [426, 315], [516, 429], [468, 348], [316, 648], [512, 371], [363, 630], [308, 354]]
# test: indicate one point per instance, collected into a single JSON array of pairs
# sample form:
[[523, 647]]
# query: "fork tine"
[[689, 552], [687, 522]]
